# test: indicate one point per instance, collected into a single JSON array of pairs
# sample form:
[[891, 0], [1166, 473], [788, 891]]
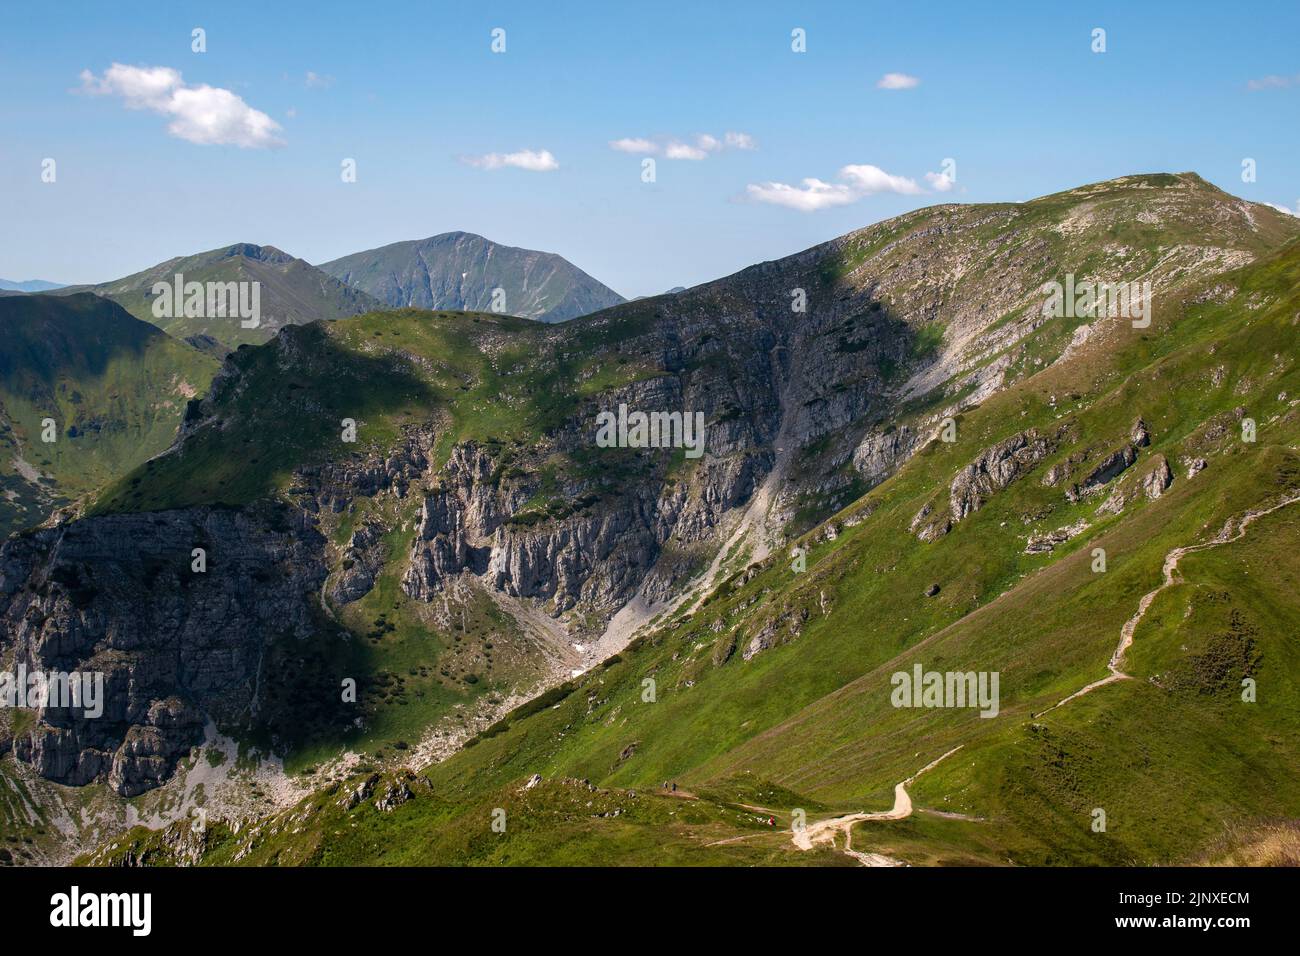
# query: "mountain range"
[[632, 655], [451, 271], [31, 285]]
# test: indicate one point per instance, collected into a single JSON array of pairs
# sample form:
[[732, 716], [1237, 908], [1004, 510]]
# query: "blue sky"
[[412, 91]]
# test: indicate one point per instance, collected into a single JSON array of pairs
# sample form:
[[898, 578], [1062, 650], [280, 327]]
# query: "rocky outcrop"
[[150, 751], [586, 547], [786, 626], [930, 527], [1111, 467], [881, 452], [994, 469], [1158, 480], [361, 563], [118, 596], [334, 485], [1045, 543]]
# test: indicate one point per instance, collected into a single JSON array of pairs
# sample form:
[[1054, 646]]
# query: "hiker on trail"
[[674, 787]]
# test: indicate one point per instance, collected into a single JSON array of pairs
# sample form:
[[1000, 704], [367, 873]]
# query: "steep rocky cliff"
[[120, 596]]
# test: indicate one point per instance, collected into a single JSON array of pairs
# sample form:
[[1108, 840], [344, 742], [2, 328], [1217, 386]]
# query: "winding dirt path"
[[1169, 577], [824, 831]]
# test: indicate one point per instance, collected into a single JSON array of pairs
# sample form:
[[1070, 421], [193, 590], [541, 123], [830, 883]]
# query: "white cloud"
[[1273, 82], [677, 150], [672, 148], [207, 115], [811, 196], [939, 182], [856, 182], [537, 161], [1281, 208], [872, 179], [632, 144], [896, 81], [318, 81]]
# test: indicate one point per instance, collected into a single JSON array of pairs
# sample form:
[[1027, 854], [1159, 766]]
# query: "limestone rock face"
[[1044, 543], [1111, 467], [116, 596], [1158, 480], [995, 468], [880, 453], [361, 564]]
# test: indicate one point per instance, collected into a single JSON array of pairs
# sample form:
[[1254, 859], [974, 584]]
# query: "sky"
[[759, 150]]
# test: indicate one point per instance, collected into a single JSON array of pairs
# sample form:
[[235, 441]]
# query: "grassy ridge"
[[488, 378]]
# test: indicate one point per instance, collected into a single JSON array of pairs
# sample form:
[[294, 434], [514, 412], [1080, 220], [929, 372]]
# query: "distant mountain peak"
[[463, 270], [250, 250]]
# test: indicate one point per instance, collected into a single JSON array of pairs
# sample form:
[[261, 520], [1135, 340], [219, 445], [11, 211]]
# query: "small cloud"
[[896, 81], [1281, 208], [318, 81], [1273, 82], [872, 179], [537, 161], [677, 150], [856, 182], [206, 115], [939, 182], [704, 145], [632, 144], [811, 196]]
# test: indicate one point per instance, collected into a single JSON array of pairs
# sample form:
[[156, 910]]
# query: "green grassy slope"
[[115, 387], [1174, 756], [488, 378]]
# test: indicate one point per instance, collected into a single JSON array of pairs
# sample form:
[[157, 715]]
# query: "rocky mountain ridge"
[[487, 476]]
